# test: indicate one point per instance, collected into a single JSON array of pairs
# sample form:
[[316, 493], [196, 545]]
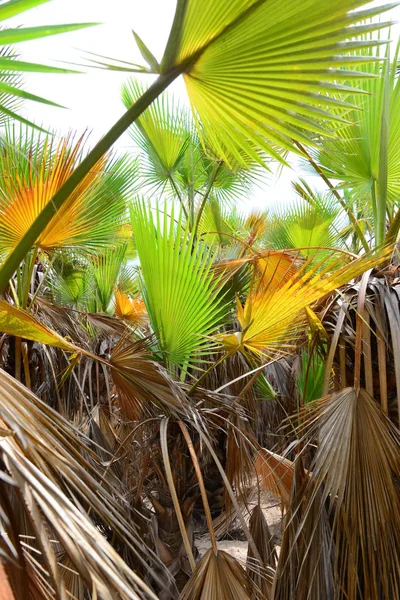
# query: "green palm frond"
[[308, 225], [310, 375], [179, 289], [9, 78], [106, 269], [256, 75], [162, 133], [70, 282], [11, 91], [212, 224], [257, 71], [354, 157], [173, 158]]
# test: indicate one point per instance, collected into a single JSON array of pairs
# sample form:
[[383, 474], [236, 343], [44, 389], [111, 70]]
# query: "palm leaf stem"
[[382, 187], [214, 175], [28, 278], [200, 481], [13, 260], [334, 191], [179, 196], [174, 495]]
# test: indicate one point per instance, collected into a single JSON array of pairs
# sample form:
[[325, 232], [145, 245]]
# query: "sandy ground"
[[237, 546]]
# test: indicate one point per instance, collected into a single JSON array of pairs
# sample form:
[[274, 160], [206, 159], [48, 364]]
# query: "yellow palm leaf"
[[20, 323], [273, 318], [271, 268]]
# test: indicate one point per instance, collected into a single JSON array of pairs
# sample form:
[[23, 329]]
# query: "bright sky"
[[93, 98]]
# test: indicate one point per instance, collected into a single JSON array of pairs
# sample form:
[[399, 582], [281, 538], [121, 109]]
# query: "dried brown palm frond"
[[64, 321], [348, 512], [259, 575], [371, 310], [218, 576], [306, 547], [50, 478], [276, 474], [142, 383]]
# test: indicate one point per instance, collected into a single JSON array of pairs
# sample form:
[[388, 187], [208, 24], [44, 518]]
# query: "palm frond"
[[177, 282], [34, 167], [273, 318], [11, 67], [162, 133], [357, 445], [106, 268], [128, 308], [257, 72], [44, 465], [142, 383], [217, 576], [353, 156]]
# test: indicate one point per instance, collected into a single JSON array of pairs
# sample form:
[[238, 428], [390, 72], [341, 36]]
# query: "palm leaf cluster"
[[167, 359]]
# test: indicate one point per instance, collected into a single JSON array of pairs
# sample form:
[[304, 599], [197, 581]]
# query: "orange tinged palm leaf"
[[276, 474], [130, 309], [33, 170], [271, 268], [273, 318]]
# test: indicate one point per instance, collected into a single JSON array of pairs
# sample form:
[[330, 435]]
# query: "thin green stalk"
[[334, 191], [374, 186], [177, 192], [43, 219], [214, 175]]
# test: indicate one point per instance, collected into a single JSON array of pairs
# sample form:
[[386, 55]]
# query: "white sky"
[[93, 98]]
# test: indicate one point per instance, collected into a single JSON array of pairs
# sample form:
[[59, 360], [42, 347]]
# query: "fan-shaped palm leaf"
[[34, 167], [273, 317], [44, 465], [11, 66], [128, 308], [105, 269], [355, 157], [246, 65], [354, 480], [162, 133], [178, 286], [312, 228]]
